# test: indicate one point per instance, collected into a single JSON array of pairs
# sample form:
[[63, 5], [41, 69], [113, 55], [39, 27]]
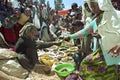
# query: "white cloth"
[[15, 4], [36, 19], [53, 29], [44, 32], [109, 28]]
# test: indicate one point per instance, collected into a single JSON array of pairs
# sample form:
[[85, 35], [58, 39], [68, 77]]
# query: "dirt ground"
[[37, 74]]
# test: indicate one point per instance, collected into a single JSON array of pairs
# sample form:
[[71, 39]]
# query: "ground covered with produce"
[[49, 58]]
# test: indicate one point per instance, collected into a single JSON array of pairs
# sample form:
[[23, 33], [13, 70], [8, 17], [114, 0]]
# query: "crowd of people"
[[94, 27]]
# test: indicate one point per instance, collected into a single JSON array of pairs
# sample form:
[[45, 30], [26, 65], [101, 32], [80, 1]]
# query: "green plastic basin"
[[64, 69]]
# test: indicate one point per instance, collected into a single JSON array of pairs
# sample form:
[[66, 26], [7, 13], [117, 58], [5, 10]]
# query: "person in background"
[[40, 14], [29, 4], [102, 62], [87, 17], [45, 12], [51, 15], [22, 5], [27, 46], [24, 18], [44, 32], [87, 13], [74, 9], [2, 12], [9, 28], [36, 15], [54, 29], [6, 11]]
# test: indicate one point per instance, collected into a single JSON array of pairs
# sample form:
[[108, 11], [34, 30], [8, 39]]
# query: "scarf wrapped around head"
[[88, 2], [105, 5], [27, 28]]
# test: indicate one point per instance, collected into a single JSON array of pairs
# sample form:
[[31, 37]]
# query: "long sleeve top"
[[110, 37], [29, 48]]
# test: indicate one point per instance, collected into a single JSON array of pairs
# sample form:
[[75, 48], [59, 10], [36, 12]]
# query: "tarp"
[[63, 12]]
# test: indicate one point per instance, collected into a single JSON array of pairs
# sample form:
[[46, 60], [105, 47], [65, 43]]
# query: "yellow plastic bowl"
[[64, 69]]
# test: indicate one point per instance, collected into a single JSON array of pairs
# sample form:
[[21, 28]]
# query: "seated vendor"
[[27, 46]]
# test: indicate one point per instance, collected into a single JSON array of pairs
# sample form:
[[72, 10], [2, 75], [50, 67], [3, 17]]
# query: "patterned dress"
[[93, 67]]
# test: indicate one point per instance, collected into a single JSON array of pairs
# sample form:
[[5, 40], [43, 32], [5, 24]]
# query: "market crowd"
[[94, 27]]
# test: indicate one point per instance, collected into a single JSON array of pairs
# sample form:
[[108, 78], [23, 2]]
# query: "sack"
[[7, 54], [13, 68]]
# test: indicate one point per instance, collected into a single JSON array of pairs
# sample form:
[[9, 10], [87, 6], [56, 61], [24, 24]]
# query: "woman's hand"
[[96, 35], [115, 51]]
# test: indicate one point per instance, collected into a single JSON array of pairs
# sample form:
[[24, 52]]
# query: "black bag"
[[73, 76]]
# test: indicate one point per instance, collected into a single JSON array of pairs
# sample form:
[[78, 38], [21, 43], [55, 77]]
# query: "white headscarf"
[[105, 5], [109, 28], [88, 2]]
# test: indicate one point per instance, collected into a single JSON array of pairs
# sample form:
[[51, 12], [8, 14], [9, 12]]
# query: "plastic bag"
[[48, 60], [7, 54], [73, 77], [13, 68]]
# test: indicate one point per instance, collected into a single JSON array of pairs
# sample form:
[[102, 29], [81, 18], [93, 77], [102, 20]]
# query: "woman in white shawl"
[[100, 65]]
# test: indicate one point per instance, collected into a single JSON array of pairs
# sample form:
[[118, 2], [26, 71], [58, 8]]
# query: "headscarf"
[[27, 28], [86, 14], [1, 35], [88, 2], [105, 5]]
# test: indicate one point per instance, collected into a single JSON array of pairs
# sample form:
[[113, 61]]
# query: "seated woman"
[[101, 64], [27, 46]]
